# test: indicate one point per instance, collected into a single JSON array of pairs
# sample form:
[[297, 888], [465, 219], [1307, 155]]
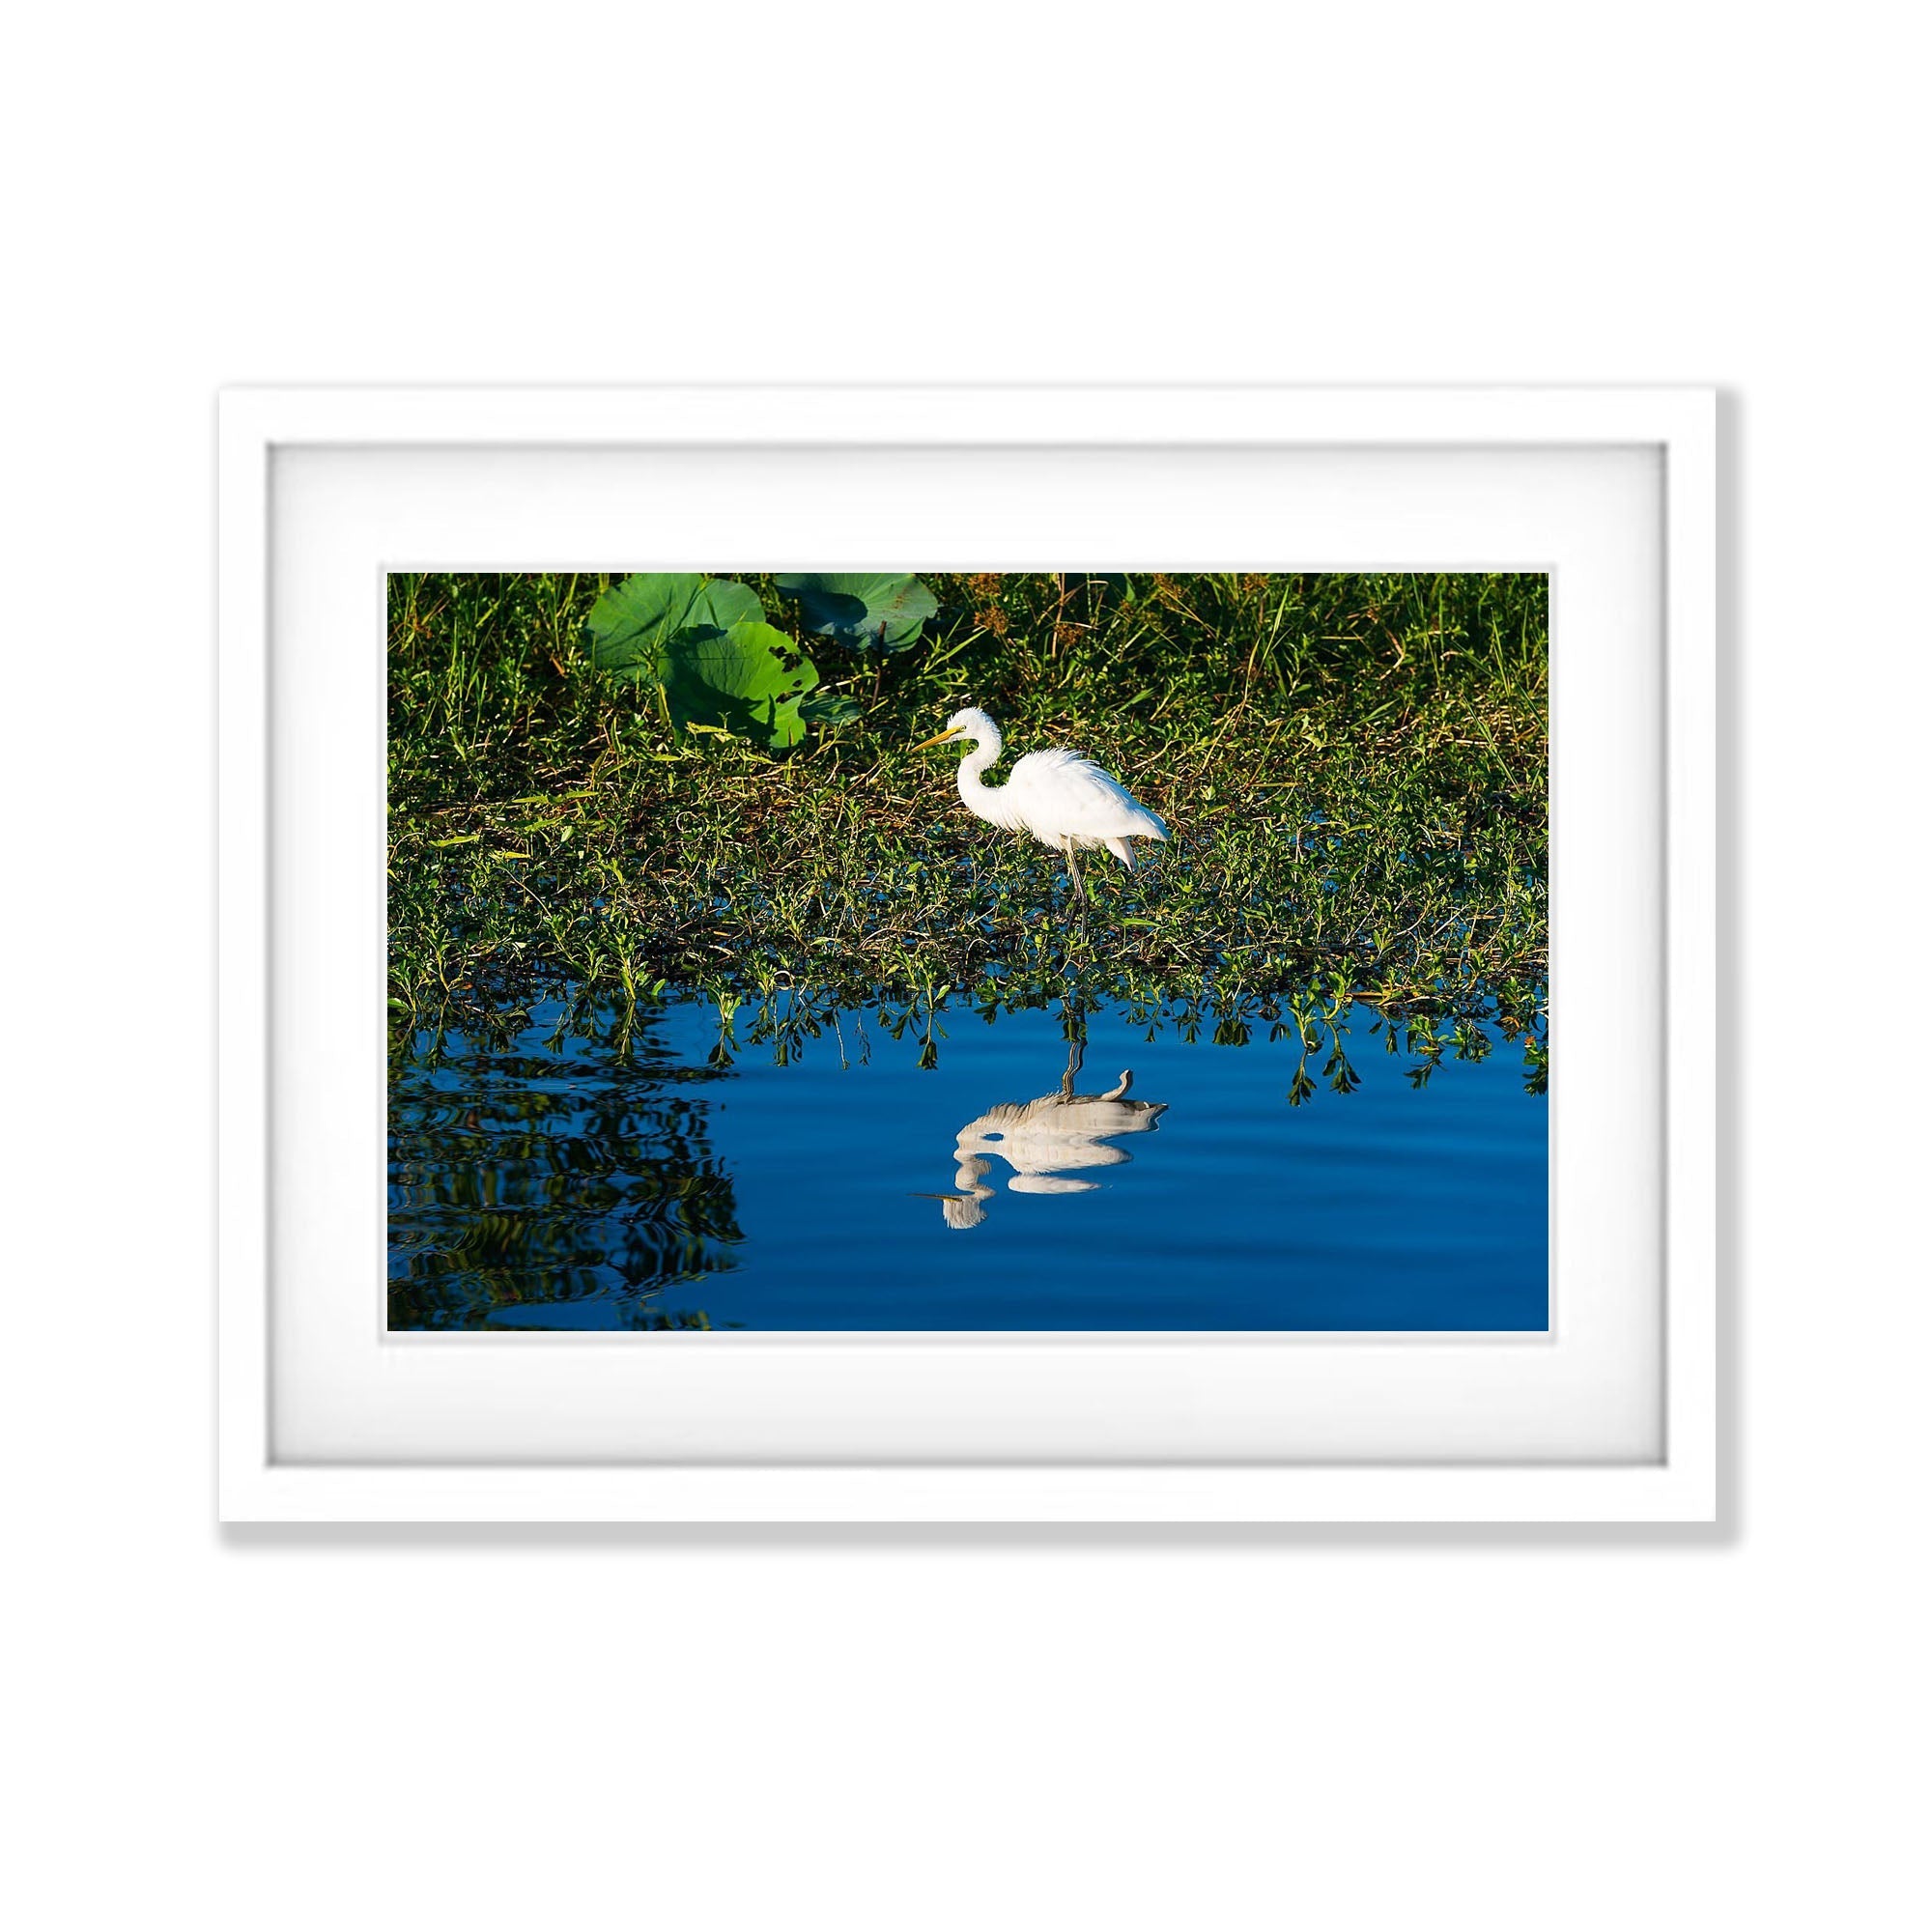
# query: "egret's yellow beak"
[[950, 731]]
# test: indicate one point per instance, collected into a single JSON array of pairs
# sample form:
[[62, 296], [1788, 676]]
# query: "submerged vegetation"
[[610, 787]]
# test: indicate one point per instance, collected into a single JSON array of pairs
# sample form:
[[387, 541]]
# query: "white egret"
[[1064, 800]]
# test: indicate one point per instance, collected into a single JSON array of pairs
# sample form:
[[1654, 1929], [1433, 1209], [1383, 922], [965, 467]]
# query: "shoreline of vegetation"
[[1354, 769]]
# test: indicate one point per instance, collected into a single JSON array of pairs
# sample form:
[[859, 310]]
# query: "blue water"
[[555, 1181]]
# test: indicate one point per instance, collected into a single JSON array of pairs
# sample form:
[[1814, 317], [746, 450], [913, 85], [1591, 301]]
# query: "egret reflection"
[[1045, 1142]]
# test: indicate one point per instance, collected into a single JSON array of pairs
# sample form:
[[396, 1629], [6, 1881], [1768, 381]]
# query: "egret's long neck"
[[975, 792]]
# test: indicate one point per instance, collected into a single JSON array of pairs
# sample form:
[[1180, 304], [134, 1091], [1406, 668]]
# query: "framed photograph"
[[968, 954]]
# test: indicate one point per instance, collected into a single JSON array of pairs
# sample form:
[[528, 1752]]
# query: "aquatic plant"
[[703, 646], [879, 610]]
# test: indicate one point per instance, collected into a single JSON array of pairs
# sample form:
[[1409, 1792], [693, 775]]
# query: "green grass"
[[1354, 769]]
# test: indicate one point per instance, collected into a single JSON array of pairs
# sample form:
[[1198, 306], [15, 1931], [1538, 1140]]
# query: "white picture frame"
[[1413, 1429]]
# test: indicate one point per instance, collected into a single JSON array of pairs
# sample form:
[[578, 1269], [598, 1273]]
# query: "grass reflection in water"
[[530, 1172]]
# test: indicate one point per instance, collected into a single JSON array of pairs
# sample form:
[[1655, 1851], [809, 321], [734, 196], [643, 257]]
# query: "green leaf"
[[631, 624], [829, 708], [868, 610], [747, 681]]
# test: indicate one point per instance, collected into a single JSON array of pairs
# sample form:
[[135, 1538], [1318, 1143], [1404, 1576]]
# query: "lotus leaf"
[[873, 611], [747, 680], [830, 708], [633, 621]]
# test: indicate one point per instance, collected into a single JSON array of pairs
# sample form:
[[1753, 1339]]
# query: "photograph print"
[[968, 952]]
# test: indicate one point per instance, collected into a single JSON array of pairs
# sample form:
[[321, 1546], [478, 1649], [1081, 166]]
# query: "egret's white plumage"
[[1058, 797]]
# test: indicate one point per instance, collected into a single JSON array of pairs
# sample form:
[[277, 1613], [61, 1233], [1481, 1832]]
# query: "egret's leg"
[[1073, 872]]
